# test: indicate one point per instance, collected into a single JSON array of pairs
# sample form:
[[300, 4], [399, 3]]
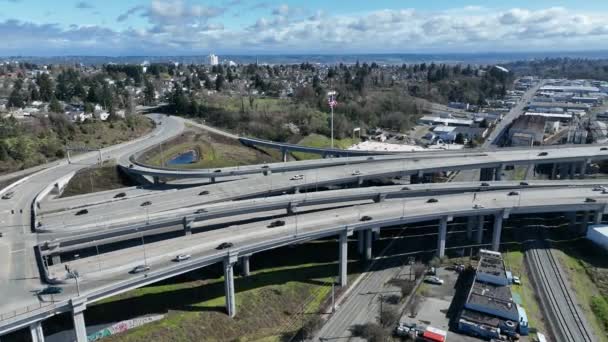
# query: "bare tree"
[[415, 305], [419, 269], [389, 315]]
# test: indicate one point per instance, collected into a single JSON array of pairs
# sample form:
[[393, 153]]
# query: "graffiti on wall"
[[123, 326]]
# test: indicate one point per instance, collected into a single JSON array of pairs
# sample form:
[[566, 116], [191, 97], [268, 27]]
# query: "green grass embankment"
[[317, 140], [286, 288]]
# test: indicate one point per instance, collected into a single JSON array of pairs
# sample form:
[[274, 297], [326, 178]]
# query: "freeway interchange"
[[239, 206]]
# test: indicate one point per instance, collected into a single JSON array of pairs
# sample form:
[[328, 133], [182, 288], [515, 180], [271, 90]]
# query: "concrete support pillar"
[[245, 266], [554, 171], [376, 233], [470, 224], [583, 170], [56, 259], [80, 328], [156, 179], [343, 250], [563, 171], [498, 173], [480, 222], [229, 262], [599, 215], [360, 242], [36, 332], [585, 222], [368, 244], [443, 229], [212, 179], [572, 170], [497, 232], [284, 155], [571, 215], [187, 226]]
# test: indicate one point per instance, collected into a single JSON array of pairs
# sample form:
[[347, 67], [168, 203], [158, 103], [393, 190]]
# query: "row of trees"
[[69, 86]]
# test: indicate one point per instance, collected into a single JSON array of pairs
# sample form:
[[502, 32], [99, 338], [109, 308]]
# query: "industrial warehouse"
[[490, 310]]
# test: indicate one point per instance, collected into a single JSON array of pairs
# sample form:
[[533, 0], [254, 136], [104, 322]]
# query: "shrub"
[[372, 332], [599, 306]]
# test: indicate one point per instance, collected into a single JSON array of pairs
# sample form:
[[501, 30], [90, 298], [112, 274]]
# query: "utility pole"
[[143, 244]]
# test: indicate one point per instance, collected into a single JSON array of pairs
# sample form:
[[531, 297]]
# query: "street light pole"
[[143, 244]]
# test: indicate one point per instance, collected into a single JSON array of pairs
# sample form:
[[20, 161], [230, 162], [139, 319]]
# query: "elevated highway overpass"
[[252, 238]]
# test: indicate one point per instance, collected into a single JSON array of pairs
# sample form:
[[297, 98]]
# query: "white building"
[[213, 59], [599, 235]]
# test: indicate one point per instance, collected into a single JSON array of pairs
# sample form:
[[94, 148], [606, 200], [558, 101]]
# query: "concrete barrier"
[[123, 326]]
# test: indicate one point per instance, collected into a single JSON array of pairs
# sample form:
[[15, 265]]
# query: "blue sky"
[[194, 27]]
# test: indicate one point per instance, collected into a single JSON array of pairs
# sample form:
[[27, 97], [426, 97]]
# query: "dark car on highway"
[[82, 212], [203, 193], [51, 290], [513, 193], [146, 203], [224, 245], [542, 154], [277, 223], [200, 211], [365, 218], [120, 195], [432, 200]]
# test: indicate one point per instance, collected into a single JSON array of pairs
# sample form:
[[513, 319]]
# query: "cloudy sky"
[[195, 27]]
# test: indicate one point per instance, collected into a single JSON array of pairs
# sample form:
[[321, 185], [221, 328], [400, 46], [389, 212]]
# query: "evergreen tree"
[[55, 106], [219, 82], [3, 152], [34, 94], [92, 95], [46, 87], [16, 100], [149, 93]]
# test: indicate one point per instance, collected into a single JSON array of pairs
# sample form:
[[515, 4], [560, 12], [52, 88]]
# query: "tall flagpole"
[[331, 99]]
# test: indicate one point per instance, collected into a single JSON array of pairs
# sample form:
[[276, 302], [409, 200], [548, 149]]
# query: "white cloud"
[[188, 27]]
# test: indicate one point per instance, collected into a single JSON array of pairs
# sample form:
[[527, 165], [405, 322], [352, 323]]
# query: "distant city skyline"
[[190, 27]]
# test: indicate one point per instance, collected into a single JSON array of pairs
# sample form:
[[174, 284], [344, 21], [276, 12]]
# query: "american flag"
[[332, 102]]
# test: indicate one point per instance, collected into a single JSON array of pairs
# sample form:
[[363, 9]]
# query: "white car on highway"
[[182, 257], [297, 177]]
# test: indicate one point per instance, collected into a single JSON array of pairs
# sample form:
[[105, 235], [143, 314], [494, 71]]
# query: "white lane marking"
[[18, 251]]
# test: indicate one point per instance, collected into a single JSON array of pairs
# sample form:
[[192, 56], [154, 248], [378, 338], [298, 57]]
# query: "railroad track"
[[565, 318]]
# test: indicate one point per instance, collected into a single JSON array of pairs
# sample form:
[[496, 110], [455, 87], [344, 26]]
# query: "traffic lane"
[[508, 155], [469, 183], [258, 184], [161, 252], [299, 199]]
